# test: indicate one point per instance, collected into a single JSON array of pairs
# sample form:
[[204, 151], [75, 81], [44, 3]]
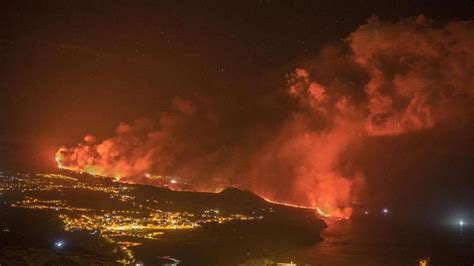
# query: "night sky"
[[74, 68]]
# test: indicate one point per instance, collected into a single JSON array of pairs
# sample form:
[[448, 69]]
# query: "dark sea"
[[386, 242]]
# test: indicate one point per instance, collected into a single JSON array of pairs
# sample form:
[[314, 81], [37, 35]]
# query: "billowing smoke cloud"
[[389, 79], [166, 147], [421, 75], [306, 149]]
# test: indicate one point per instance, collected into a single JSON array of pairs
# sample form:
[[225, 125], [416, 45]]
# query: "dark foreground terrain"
[[71, 219]]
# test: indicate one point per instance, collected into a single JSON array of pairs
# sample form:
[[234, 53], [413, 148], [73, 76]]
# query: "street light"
[[59, 244]]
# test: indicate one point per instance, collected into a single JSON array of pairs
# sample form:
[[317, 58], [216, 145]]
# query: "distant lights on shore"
[[461, 223], [59, 244]]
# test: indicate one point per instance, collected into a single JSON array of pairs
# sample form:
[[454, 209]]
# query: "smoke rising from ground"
[[167, 146], [390, 78]]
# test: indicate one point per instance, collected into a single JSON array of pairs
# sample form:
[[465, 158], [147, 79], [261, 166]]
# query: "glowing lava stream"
[[322, 214]]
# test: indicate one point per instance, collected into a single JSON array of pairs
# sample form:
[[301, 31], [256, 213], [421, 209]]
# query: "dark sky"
[[68, 68], [71, 68]]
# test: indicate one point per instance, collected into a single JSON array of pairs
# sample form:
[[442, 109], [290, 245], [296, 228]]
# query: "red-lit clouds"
[[168, 146], [420, 75], [306, 148]]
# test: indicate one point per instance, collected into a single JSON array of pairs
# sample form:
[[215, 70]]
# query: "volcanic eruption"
[[387, 79]]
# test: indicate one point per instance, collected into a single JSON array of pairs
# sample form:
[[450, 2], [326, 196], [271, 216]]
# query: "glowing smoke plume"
[[420, 75], [143, 146], [307, 147]]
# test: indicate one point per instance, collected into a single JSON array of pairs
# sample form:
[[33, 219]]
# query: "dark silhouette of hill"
[[267, 229]]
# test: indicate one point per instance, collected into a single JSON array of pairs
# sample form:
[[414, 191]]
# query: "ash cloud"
[[387, 80], [421, 75], [306, 148], [167, 146]]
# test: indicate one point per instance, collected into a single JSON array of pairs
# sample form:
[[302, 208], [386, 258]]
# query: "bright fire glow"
[[322, 213], [319, 211]]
